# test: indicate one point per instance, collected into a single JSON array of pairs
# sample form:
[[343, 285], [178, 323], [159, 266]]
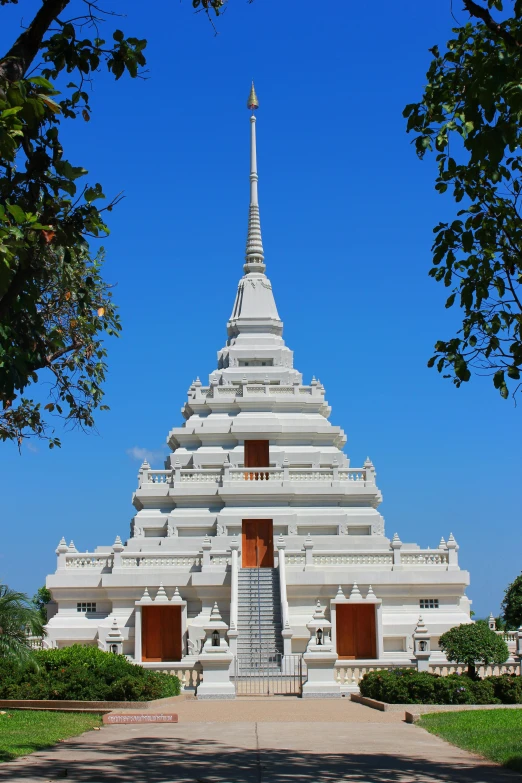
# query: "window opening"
[[86, 606], [429, 603]]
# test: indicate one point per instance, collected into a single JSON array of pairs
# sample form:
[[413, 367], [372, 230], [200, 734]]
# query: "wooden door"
[[355, 631], [257, 454], [258, 543], [161, 633]]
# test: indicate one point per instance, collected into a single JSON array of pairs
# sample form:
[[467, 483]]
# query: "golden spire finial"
[[253, 102]]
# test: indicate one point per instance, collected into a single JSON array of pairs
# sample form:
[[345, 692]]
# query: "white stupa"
[[258, 509]]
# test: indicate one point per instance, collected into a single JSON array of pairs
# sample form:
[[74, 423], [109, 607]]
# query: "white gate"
[[267, 673]]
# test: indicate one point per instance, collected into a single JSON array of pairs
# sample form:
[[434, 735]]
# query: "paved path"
[[260, 741]]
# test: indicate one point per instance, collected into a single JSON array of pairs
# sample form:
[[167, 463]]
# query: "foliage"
[[408, 686], [84, 674], [512, 604], [508, 689], [494, 734], [26, 731], [470, 115], [40, 600], [55, 307], [18, 617], [472, 644]]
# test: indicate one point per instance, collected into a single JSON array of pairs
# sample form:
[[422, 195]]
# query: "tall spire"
[[254, 256]]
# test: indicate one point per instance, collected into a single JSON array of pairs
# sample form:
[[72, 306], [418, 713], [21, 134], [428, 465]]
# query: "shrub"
[[408, 686], [390, 685], [508, 688], [83, 674]]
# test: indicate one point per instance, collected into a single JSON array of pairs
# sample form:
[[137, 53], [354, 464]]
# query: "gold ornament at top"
[[253, 102]]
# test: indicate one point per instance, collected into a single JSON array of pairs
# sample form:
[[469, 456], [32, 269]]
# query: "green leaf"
[[41, 82], [17, 212]]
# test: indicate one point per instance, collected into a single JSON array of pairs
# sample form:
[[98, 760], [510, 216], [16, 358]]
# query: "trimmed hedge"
[[408, 686], [83, 674]]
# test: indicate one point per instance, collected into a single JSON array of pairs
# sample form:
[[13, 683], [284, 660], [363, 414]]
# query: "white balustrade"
[[350, 675], [220, 560], [216, 475], [160, 561], [256, 474], [88, 560], [189, 677], [295, 559], [201, 475], [157, 476], [445, 668], [431, 557], [360, 558]]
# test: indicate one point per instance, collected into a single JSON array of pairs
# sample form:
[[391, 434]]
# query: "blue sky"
[[347, 212]]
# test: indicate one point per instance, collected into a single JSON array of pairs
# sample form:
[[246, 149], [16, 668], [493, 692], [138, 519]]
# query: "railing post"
[[308, 547], [286, 470], [226, 468], [369, 478], [453, 558], [177, 470], [206, 547], [335, 470], [61, 551], [396, 545], [143, 473], [117, 548]]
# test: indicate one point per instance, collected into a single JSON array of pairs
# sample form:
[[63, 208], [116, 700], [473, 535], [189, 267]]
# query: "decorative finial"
[[253, 102], [254, 254], [355, 595]]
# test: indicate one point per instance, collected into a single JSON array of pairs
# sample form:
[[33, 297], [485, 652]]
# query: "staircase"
[[259, 615]]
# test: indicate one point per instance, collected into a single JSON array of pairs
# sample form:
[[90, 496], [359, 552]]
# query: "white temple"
[[257, 509]]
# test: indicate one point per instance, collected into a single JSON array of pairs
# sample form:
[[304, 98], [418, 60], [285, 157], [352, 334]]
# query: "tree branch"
[[474, 9], [15, 63]]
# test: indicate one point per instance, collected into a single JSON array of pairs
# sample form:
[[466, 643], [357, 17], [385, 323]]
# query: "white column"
[[137, 635], [281, 546], [234, 575]]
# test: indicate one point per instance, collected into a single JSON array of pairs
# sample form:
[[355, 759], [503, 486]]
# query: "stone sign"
[[141, 717]]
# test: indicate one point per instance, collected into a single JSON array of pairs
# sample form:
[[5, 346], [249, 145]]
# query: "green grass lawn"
[[24, 731], [495, 734]]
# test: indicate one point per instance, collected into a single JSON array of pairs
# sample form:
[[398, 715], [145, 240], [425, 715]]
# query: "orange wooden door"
[[355, 631], [161, 633], [258, 543], [257, 454]]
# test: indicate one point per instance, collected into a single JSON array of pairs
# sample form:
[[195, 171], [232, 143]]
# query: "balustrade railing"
[[431, 557], [88, 560], [492, 670], [160, 561], [227, 473], [349, 675], [360, 558]]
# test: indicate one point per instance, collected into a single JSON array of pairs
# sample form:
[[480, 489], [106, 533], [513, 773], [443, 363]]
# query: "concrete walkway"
[[260, 741]]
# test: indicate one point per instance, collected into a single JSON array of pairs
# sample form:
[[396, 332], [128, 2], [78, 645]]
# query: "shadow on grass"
[[177, 760]]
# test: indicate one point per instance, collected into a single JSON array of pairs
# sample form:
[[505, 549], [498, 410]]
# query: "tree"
[[512, 604], [470, 115], [18, 618], [472, 644], [40, 601], [55, 307]]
